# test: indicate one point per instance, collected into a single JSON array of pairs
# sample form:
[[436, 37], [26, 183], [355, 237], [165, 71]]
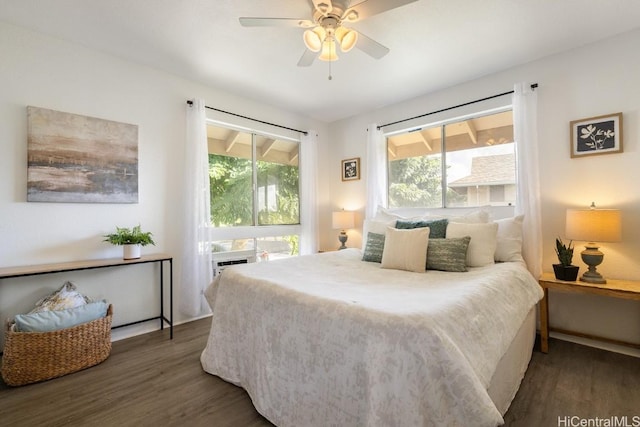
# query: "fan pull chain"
[[330, 77]]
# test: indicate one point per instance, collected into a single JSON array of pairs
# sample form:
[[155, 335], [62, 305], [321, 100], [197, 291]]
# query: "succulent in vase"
[[565, 270], [564, 252]]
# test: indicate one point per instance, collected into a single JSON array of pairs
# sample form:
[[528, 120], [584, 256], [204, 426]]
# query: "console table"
[[625, 289], [34, 270]]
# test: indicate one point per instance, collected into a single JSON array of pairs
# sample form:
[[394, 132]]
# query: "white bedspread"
[[328, 340]]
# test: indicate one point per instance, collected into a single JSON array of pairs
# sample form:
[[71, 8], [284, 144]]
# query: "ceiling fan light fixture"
[[313, 39], [346, 38], [328, 51]]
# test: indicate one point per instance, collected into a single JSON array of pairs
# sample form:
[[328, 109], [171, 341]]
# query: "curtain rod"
[[249, 118], [533, 86]]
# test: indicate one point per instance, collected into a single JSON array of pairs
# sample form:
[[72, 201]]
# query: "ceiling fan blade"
[[276, 22], [307, 58], [371, 47], [323, 6], [367, 8]]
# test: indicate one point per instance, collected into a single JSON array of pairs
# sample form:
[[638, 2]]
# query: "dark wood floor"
[[153, 381]]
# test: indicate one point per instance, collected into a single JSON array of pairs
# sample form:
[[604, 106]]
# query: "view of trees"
[[417, 182], [232, 195]]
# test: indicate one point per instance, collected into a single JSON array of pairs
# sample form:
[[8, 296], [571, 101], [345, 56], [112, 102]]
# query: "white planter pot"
[[131, 251]]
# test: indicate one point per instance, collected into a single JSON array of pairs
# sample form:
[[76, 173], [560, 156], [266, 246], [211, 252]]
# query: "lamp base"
[[343, 239], [592, 257]]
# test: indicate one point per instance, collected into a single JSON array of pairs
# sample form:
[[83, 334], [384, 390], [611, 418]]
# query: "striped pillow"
[[448, 254], [374, 248]]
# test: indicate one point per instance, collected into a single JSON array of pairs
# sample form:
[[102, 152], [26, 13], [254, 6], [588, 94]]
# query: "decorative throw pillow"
[[45, 321], [448, 254], [482, 246], [374, 226], [405, 249], [65, 297], [438, 227], [374, 248], [509, 239]]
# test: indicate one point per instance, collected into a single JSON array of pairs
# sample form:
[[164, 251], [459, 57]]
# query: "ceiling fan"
[[326, 29]]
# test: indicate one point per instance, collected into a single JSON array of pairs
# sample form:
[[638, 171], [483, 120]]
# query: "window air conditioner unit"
[[227, 259]]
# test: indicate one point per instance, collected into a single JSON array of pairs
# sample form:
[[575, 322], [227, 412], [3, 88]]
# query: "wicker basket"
[[30, 357]]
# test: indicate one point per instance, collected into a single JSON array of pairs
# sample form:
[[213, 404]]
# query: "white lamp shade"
[[594, 225], [314, 38], [328, 51], [346, 38], [342, 220]]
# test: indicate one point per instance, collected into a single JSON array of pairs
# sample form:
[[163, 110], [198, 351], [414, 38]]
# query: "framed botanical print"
[[596, 135], [351, 169]]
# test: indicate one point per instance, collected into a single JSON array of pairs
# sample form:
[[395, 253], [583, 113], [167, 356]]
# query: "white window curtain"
[[196, 272], [376, 168], [308, 193], [525, 104]]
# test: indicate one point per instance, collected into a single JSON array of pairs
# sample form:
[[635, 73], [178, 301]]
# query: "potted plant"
[[131, 239], [564, 270]]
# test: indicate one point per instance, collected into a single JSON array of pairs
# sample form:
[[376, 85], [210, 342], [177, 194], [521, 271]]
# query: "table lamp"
[[342, 220], [593, 225]]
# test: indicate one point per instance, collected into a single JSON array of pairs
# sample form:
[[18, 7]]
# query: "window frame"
[[256, 230], [443, 153]]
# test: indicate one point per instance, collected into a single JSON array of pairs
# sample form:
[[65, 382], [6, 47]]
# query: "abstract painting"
[[80, 159]]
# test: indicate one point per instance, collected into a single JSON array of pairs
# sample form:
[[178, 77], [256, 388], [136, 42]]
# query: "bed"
[[331, 340]]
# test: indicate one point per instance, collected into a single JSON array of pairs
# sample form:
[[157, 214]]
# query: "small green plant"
[[564, 252], [130, 236]]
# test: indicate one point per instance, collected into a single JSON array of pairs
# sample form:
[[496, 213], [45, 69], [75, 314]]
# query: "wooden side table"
[[625, 289]]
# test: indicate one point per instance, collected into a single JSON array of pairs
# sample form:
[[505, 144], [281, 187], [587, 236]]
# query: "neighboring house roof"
[[489, 170]]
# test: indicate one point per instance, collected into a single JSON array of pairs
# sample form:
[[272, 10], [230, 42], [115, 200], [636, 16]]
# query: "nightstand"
[[625, 289]]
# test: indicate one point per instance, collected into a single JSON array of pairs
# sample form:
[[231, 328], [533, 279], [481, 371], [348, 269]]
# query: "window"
[[254, 182], [467, 162]]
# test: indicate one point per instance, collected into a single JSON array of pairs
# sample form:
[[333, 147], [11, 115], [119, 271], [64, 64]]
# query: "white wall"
[[593, 80], [46, 72]]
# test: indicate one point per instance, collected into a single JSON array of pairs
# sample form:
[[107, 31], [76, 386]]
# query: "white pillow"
[[482, 247], [474, 217], [406, 249], [385, 215], [374, 226], [509, 239]]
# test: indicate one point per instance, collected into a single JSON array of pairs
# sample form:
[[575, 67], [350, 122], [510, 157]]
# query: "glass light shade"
[[342, 220], [593, 225], [313, 39], [328, 51], [346, 38]]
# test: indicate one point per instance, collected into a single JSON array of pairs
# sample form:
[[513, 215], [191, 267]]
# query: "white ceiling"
[[434, 43]]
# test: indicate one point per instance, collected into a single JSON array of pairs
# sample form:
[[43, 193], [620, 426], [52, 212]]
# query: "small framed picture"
[[596, 135], [351, 169]]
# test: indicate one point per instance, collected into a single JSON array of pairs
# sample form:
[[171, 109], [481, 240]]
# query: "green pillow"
[[374, 248], [448, 254], [438, 227]]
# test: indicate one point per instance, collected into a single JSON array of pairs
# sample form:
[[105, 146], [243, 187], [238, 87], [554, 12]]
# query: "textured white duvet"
[[329, 340]]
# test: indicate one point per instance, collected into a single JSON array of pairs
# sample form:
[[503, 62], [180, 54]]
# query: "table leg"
[[171, 297], [544, 321]]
